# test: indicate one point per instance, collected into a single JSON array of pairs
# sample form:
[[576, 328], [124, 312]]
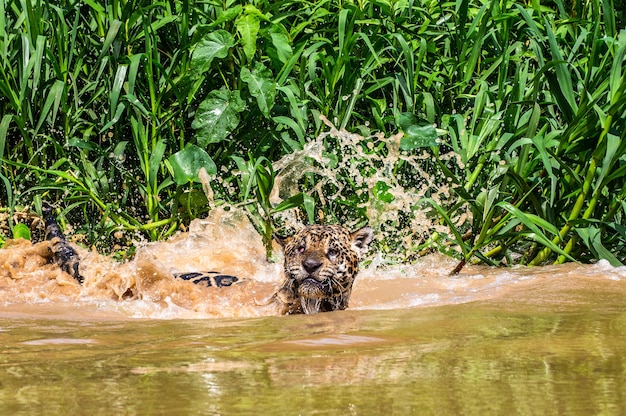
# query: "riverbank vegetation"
[[512, 119]]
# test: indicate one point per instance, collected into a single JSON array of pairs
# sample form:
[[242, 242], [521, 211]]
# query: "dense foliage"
[[516, 109]]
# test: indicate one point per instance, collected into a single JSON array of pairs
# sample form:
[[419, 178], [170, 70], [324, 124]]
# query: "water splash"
[[394, 277], [145, 287], [345, 163]]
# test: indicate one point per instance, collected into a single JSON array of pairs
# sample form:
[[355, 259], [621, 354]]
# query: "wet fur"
[[62, 253], [321, 264]]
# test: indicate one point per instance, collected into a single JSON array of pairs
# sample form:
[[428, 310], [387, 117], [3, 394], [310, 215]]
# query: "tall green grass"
[[113, 106], [547, 141]]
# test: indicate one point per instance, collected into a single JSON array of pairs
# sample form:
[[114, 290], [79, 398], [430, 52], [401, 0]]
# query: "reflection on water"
[[133, 340], [456, 359]]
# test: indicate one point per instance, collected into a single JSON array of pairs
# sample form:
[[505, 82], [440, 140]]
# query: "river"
[[133, 340]]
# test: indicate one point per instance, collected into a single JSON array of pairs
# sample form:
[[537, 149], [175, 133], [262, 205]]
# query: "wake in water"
[[319, 278], [145, 287], [225, 241]]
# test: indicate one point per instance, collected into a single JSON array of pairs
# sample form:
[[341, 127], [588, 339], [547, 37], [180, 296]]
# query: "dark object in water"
[[62, 253], [68, 260], [208, 278], [321, 263]]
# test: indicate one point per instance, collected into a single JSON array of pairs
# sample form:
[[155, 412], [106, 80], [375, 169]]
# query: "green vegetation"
[[513, 118]]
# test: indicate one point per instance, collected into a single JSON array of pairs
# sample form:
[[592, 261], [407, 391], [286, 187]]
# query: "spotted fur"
[[321, 263], [66, 257], [208, 278]]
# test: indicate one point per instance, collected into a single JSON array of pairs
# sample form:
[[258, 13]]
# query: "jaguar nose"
[[311, 265]]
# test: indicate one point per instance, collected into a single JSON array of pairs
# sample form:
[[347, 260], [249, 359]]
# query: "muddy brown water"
[[133, 340]]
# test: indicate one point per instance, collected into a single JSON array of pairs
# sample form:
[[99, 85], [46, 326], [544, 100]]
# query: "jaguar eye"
[[301, 249], [332, 252]]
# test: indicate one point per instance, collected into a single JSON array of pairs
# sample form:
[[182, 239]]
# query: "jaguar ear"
[[361, 239], [282, 240]]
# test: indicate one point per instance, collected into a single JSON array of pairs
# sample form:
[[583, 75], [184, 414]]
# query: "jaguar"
[[320, 266]]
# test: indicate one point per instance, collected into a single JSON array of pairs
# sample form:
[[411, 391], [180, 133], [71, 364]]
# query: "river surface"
[[133, 340]]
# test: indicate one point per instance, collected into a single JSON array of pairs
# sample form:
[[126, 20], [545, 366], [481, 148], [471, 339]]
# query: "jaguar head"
[[321, 263]]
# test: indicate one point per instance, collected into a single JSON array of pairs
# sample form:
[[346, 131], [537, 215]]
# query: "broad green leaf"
[[118, 114], [283, 48], [296, 108], [212, 45], [38, 56], [446, 218], [95, 6], [53, 101], [293, 201], [248, 26], [380, 191], [187, 163], [133, 71], [21, 231], [532, 222], [217, 116], [194, 200], [154, 162], [591, 236], [416, 133], [475, 39], [299, 200], [82, 144], [608, 12], [261, 85], [265, 178], [227, 15], [4, 128], [615, 78], [119, 150], [611, 156], [111, 35], [136, 103], [290, 123], [247, 174], [309, 207], [118, 84], [540, 143], [564, 86]]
